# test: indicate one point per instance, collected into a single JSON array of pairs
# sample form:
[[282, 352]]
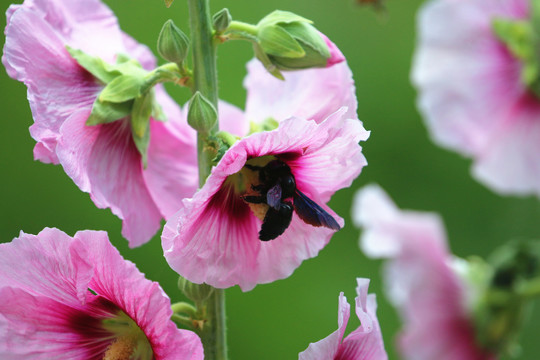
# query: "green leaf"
[[106, 112], [140, 114], [94, 65], [274, 40], [122, 88]]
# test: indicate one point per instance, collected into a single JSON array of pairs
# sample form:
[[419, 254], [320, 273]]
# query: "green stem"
[[213, 335]]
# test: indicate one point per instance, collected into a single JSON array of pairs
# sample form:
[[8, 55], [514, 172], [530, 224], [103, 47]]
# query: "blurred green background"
[[278, 320]]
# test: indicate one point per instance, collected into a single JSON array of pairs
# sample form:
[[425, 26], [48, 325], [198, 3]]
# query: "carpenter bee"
[[277, 189]]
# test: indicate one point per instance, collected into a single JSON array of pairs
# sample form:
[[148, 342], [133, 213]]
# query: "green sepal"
[[122, 88], [521, 39], [275, 40], [268, 124], [105, 112], [172, 44], [94, 65], [265, 60], [157, 112], [221, 20], [220, 143], [282, 17], [307, 35], [140, 114], [202, 115], [142, 142]]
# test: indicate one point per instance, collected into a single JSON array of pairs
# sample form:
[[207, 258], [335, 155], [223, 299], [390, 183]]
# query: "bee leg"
[[254, 199]]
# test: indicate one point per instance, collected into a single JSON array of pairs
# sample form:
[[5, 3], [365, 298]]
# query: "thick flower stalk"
[[76, 298], [435, 304], [104, 159], [476, 68], [216, 235], [364, 343]]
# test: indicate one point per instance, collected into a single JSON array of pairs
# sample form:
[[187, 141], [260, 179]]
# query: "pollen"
[[259, 210], [121, 348]]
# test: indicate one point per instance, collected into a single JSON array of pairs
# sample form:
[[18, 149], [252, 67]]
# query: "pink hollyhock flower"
[[77, 298], [214, 237], [364, 343], [102, 159], [471, 93], [430, 297]]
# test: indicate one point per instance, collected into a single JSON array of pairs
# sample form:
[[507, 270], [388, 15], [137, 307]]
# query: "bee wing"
[[313, 214], [275, 222], [273, 197]]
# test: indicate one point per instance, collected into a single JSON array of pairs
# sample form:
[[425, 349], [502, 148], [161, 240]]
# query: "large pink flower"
[[214, 238], [471, 93], [431, 299], [77, 298], [364, 343], [102, 160]]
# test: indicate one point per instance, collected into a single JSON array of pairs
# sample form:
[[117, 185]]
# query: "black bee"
[[277, 186]]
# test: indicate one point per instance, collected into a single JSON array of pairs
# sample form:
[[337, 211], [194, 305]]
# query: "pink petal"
[[327, 348], [172, 173], [103, 161], [143, 300], [47, 264], [312, 94], [336, 56], [36, 327], [366, 341], [214, 236], [510, 163], [428, 295], [232, 119], [48, 71]]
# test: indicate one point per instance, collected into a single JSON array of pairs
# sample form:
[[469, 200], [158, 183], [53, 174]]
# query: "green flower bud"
[[291, 42], [173, 44], [221, 20], [198, 293], [202, 115]]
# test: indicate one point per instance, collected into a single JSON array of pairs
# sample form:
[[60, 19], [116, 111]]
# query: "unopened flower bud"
[[221, 20], [291, 42], [173, 44], [202, 115], [198, 293]]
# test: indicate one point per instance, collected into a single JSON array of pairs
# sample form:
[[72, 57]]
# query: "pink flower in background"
[[77, 298], [430, 297], [471, 93], [102, 159], [364, 343], [214, 238]]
